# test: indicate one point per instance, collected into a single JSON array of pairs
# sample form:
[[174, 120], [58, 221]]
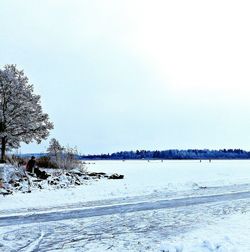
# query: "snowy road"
[[137, 226], [118, 209]]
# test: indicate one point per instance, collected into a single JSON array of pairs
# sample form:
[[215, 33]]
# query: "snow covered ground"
[[226, 235], [221, 224], [155, 178]]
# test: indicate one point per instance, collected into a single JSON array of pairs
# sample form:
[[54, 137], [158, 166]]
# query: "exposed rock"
[[77, 173], [116, 176], [96, 174], [5, 192], [19, 180], [16, 184], [77, 183], [37, 180]]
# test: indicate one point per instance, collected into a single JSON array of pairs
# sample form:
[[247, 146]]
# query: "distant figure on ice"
[[31, 164]]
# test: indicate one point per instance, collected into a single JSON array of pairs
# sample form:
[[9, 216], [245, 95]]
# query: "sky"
[[137, 74]]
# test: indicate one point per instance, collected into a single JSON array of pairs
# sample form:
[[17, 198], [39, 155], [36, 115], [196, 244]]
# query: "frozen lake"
[[168, 171], [146, 176]]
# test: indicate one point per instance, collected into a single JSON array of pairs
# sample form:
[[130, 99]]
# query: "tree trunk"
[[3, 150]]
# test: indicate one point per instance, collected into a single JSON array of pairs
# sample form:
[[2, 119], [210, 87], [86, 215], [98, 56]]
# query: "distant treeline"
[[172, 154]]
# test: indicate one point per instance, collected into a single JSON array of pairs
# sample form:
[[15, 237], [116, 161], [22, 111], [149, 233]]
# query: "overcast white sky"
[[135, 74]]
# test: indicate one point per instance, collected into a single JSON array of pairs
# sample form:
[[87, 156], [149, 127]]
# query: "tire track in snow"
[[34, 245], [120, 208]]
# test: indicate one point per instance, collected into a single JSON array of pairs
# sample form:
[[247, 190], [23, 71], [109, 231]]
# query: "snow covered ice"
[[146, 211]]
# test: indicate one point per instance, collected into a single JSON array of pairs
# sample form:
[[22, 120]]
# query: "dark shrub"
[[45, 162], [16, 160]]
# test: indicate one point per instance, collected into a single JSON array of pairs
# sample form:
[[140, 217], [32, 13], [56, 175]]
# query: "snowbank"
[[228, 235]]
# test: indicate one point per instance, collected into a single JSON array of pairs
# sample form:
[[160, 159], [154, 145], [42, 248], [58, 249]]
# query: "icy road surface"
[[119, 209], [137, 226]]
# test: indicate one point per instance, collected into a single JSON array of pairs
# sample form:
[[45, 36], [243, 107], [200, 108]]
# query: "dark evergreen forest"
[[172, 154]]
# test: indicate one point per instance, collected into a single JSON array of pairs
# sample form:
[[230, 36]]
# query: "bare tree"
[[65, 158], [69, 160], [55, 150]]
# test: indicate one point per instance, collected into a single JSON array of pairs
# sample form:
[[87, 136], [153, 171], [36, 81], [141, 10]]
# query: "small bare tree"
[[55, 150], [65, 158], [69, 160]]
